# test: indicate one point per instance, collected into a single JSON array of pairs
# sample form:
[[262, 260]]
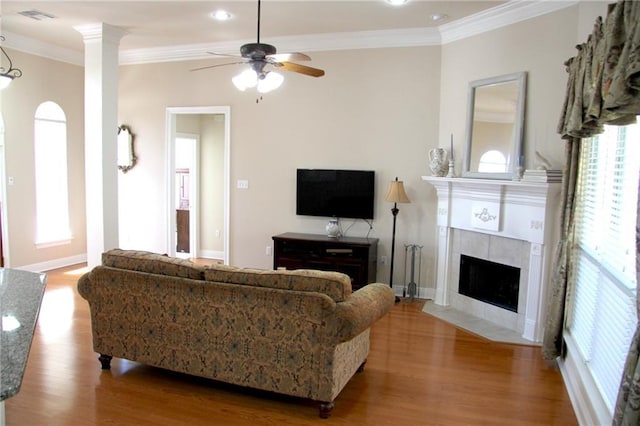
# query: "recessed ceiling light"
[[397, 2], [439, 16], [220, 15]]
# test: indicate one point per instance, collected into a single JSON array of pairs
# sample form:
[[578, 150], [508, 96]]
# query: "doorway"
[[204, 227], [187, 151]]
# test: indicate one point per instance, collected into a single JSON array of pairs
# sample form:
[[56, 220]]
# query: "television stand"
[[356, 257]]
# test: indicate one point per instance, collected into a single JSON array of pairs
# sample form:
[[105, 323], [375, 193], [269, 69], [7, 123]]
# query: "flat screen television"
[[335, 193]]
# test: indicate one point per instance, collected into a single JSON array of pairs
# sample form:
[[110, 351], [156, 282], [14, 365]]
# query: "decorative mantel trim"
[[511, 209], [526, 201]]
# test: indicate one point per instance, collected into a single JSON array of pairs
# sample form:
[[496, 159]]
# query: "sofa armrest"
[[84, 285], [361, 310]]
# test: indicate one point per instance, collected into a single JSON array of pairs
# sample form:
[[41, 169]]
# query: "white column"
[[101, 128], [443, 266], [533, 322], [445, 240]]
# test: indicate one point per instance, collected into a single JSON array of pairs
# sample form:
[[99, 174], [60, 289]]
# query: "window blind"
[[602, 288]]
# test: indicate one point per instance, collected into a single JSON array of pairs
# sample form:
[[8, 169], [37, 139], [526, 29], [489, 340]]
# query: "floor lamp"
[[395, 195]]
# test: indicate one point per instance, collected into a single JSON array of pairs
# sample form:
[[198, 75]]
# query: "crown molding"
[[506, 14], [302, 43], [100, 31], [40, 48]]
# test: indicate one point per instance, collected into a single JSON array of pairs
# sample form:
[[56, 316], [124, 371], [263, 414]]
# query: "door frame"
[[171, 113]]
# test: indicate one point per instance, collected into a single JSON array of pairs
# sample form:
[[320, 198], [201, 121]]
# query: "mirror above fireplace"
[[495, 125]]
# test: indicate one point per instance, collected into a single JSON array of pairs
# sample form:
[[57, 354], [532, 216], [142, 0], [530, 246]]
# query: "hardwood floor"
[[420, 371]]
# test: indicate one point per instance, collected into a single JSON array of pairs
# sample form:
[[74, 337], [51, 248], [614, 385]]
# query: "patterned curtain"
[[603, 88], [552, 341]]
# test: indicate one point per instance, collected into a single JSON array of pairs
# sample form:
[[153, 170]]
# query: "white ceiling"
[[300, 25]]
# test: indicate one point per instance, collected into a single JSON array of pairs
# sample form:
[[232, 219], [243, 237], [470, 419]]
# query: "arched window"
[[492, 162], [52, 194]]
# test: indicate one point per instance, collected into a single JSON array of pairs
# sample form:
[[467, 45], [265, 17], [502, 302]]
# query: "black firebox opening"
[[489, 282]]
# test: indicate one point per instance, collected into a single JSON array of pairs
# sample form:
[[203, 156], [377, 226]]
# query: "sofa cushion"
[[154, 263], [336, 285]]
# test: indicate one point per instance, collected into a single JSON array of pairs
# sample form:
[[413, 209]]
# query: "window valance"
[[604, 77]]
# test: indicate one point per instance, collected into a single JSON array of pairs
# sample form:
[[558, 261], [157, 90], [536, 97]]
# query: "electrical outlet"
[[217, 233], [383, 260], [268, 251], [242, 184]]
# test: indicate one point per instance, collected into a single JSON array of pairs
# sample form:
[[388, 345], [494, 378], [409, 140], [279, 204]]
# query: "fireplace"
[[489, 282], [513, 223]]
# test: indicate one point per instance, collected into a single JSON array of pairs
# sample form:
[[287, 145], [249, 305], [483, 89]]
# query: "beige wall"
[[538, 46], [43, 80], [212, 185], [379, 109], [375, 109]]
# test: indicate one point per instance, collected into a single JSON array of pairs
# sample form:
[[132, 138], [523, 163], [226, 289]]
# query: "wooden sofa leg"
[[361, 368], [325, 409], [105, 360]]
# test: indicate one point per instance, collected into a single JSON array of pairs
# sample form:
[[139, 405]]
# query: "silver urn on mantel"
[[438, 162]]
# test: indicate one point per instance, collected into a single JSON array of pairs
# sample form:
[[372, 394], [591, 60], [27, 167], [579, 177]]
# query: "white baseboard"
[[53, 264], [588, 404], [211, 254], [82, 258]]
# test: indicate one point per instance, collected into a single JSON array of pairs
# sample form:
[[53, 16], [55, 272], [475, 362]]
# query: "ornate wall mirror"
[[126, 158], [495, 126]]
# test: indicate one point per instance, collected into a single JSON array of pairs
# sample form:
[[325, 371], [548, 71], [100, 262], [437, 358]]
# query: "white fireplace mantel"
[[520, 210]]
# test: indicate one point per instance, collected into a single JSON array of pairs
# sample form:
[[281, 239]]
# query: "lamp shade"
[[395, 192], [244, 80], [5, 80], [270, 81]]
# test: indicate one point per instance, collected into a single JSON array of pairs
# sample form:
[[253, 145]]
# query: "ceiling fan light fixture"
[[5, 80], [246, 79], [270, 81], [7, 74]]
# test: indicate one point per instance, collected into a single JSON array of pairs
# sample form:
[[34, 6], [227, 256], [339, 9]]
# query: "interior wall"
[[373, 110], [538, 46], [212, 186], [379, 109], [42, 80]]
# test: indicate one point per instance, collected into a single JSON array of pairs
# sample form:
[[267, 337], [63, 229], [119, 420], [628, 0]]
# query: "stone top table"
[[20, 298]]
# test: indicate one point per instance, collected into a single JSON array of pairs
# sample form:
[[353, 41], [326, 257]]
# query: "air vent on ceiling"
[[36, 14]]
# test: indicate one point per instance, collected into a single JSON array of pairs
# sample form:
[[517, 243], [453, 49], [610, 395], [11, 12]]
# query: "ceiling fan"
[[262, 59]]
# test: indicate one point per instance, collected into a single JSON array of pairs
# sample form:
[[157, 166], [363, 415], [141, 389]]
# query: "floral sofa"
[[301, 333]]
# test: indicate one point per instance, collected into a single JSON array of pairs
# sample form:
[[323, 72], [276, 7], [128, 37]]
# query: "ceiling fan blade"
[[218, 65], [228, 55], [291, 56], [301, 69]]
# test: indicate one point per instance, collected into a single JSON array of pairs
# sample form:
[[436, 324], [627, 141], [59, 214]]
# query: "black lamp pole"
[[395, 195], [394, 212]]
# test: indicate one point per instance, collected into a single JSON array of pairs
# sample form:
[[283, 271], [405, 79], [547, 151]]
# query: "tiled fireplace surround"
[[508, 222]]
